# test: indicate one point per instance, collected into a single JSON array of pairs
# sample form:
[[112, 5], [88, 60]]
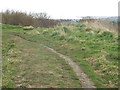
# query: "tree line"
[[32, 19]]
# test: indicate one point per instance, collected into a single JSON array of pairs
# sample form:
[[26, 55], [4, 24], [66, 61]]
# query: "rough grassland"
[[29, 64], [94, 51]]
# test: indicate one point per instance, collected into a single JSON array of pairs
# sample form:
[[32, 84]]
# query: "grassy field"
[[25, 58]]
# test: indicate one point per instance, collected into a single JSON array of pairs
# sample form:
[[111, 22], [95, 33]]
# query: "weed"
[[66, 30], [9, 45], [54, 33]]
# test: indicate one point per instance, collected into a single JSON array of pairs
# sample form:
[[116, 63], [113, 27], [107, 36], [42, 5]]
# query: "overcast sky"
[[64, 8]]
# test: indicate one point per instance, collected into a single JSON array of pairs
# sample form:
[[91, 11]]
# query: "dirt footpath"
[[85, 81]]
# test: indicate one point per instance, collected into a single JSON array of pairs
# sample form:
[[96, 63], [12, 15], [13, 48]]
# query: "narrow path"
[[83, 78], [85, 81]]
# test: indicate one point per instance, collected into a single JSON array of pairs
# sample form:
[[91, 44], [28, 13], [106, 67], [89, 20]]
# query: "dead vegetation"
[[101, 24]]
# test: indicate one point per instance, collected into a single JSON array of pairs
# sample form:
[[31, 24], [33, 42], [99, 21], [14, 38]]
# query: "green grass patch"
[[93, 51]]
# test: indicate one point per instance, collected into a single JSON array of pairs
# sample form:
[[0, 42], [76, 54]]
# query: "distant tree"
[[43, 20]]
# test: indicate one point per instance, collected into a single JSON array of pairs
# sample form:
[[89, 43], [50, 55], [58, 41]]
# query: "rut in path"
[[84, 80]]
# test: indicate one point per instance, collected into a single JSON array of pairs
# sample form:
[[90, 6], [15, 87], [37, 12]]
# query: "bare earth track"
[[85, 81], [83, 78]]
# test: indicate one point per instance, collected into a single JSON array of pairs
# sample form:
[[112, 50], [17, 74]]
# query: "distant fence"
[[101, 24]]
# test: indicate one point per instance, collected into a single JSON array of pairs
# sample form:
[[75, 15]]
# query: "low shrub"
[[28, 28]]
